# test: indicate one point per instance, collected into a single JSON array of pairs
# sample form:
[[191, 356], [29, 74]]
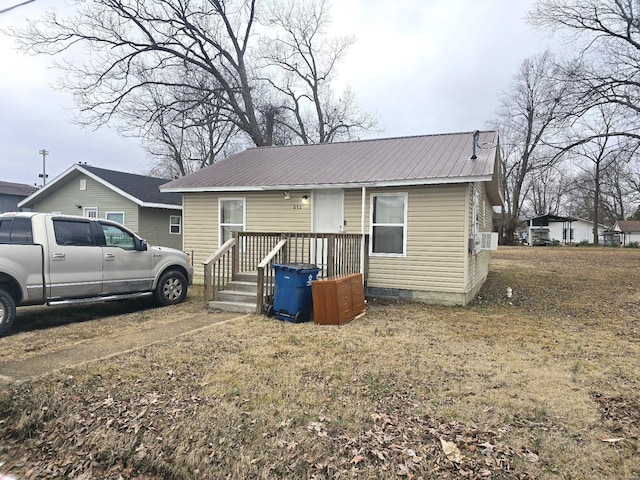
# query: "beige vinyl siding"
[[265, 212], [478, 264], [65, 197], [353, 211], [436, 246], [200, 228], [270, 212], [437, 264], [154, 227]]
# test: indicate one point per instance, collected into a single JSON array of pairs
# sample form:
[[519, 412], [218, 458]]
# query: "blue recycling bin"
[[292, 300]]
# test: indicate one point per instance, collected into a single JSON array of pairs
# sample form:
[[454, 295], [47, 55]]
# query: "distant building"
[[623, 233], [13, 193], [133, 200], [554, 229]]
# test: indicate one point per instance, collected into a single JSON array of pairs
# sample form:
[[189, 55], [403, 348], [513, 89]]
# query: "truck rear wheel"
[[7, 312], [171, 288]]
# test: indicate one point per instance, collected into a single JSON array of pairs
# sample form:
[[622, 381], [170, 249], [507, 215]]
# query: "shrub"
[[632, 245]]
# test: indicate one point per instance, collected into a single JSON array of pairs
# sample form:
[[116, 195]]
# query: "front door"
[[328, 211], [328, 217]]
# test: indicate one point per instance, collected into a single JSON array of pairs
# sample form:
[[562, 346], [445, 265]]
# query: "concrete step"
[[238, 296], [238, 307], [246, 277]]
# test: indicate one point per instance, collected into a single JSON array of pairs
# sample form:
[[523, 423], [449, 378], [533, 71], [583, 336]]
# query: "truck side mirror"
[[141, 245]]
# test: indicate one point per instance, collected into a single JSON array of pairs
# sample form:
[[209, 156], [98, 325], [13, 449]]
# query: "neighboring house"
[[135, 201], [13, 193], [423, 201], [549, 229], [624, 232]]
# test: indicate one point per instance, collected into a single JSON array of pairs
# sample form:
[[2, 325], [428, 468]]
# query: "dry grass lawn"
[[543, 385]]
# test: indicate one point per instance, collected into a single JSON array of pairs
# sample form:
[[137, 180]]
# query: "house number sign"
[[297, 206]]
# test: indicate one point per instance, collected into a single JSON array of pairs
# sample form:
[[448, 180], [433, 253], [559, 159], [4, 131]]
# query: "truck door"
[[75, 261], [125, 269]]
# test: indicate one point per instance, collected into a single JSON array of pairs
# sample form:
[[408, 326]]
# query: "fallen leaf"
[[612, 440], [451, 451], [357, 459]]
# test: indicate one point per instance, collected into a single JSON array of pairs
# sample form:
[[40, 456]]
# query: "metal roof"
[[419, 160]]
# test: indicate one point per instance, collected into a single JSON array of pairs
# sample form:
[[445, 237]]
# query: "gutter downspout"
[[362, 252]]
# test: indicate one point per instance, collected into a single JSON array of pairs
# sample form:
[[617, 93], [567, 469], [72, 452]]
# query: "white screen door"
[[328, 217]]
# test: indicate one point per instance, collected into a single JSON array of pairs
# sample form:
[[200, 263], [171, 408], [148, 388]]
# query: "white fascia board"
[[168, 206], [35, 195], [319, 186]]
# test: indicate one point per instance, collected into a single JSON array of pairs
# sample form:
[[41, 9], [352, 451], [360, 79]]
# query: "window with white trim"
[[231, 213], [91, 212], [175, 224], [389, 224], [117, 217]]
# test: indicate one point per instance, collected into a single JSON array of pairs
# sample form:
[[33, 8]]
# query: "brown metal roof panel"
[[409, 158]]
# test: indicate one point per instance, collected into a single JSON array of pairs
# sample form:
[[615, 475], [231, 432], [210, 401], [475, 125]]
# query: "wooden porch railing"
[[219, 269], [333, 253]]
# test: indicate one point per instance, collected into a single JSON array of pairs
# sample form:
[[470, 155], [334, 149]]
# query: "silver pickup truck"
[[54, 259]]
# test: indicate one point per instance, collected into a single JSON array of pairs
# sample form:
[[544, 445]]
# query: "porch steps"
[[239, 296]]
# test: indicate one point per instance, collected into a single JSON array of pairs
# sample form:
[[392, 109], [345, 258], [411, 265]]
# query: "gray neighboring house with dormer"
[[133, 200], [11, 194]]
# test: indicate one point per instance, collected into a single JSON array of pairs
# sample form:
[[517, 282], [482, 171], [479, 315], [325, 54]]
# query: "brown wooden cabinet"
[[337, 300]]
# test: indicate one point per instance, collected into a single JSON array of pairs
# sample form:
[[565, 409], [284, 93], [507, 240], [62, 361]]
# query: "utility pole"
[[43, 175]]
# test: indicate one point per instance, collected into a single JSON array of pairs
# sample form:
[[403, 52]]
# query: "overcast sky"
[[420, 66]]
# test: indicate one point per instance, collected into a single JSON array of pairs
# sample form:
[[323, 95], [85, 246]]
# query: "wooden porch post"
[[331, 247], [235, 257]]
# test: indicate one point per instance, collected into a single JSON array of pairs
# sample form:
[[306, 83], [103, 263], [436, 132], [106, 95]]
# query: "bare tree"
[[532, 113], [201, 55], [603, 154], [548, 190], [304, 61], [607, 70]]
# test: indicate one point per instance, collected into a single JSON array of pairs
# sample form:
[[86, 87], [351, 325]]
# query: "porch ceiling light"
[[286, 196]]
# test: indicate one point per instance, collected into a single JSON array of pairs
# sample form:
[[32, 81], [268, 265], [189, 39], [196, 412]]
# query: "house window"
[[232, 217], [389, 224], [91, 212], [175, 224], [83, 184], [115, 217]]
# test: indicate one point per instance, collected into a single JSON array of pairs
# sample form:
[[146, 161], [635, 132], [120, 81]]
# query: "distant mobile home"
[[550, 229]]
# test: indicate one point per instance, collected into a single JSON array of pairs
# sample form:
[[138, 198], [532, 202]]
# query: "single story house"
[[422, 203], [134, 201], [12, 193], [623, 233], [548, 229]]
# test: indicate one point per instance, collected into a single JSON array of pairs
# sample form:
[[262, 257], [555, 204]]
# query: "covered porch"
[[239, 275]]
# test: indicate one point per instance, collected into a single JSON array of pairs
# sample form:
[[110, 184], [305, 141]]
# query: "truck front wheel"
[[7, 312], [171, 288]]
